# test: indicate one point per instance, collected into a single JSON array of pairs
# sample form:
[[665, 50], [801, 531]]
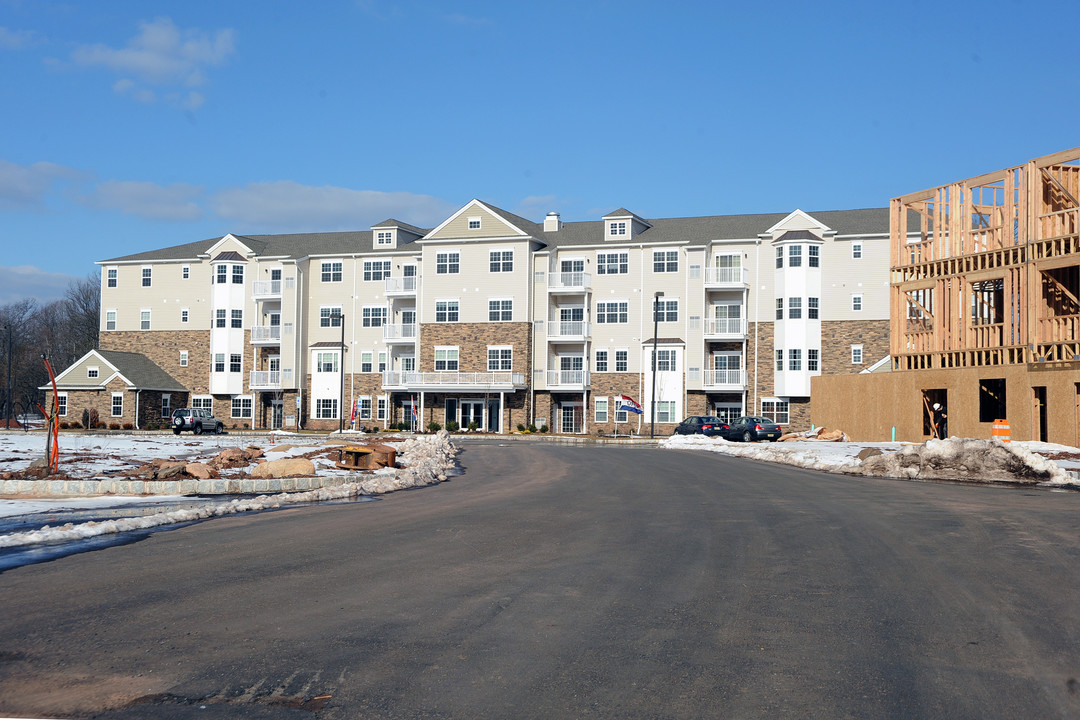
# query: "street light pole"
[[7, 397], [341, 402], [655, 337]]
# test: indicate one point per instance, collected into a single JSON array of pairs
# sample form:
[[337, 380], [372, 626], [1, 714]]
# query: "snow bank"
[[428, 459], [969, 459]]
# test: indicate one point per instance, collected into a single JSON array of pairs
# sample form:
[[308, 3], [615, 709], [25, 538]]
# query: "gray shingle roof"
[[141, 371]]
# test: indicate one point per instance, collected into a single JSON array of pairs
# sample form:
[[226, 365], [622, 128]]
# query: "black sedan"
[[749, 429], [702, 425]]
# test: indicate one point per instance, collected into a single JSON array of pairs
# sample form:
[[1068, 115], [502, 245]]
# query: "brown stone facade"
[[163, 349], [141, 409], [838, 336], [472, 340], [760, 360]]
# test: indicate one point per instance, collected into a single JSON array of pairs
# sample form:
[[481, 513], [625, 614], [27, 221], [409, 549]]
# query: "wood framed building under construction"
[[984, 311]]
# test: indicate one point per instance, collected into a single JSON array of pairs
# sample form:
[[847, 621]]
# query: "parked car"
[[702, 425], [749, 429], [197, 420]]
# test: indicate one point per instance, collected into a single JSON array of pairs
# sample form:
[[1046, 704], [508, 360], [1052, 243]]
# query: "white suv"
[[197, 420]]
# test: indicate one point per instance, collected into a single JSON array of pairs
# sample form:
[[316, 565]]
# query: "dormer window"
[[474, 223], [384, 237], [92, 371], [617, 228]]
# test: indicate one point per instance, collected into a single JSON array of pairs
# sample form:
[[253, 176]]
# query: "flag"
[[627, 403], [415, 417]]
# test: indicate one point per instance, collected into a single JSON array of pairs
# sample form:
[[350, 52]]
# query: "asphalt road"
[[565, 582]]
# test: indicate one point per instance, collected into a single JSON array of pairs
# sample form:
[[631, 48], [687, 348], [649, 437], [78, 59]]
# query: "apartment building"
[[495, 321]]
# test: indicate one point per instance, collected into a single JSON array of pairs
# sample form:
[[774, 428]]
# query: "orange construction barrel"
[[1000, 431]]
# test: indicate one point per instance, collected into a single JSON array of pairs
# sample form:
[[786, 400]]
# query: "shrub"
[[473, 426], [129, 426], [434, 426], [245, 426], [114, 426], [543, 428], [521, 427], [531, 428], [452, 425], [63, 426]]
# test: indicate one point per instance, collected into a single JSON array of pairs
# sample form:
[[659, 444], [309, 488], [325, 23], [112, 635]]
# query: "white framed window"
[[665, 411], [221, 274], [812, 308], [500, 310], [117, 404], [779, 257], [144, 319], [185, 271], [622, 361], [667, 310], [665, 261], [813, 256], [185, 313], [237, 319], [601, 410], [779, 361], [61, 404], [147, 276], [665, 360], [382, 362], [166, 405], [204, 402], [238, 274], [794, 359], [616, 311], [384, 237], [500, 358], [612, 263], [236, 363], [856, 302], [330, 271], [220, 318], [374, 316], [446, 311], [446, 357], [794, 308], [376, 270], [617, 228], [219, 362], [601, 361], [110, 277], [447, 263], [621, 415], [365, 361], [813, 359], [330, 316], [856, 250], [381, 409], [501, 261], [856, 355], [241, 406], [326, 362], [779, 308], [363, 407], [183, 358], [794, 256], [110, 319], [326, 408], [474, 223], [776, 410]]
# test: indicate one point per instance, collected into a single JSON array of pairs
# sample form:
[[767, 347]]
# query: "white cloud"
[[26, 281], [16, 39], [286, 206], [146, 199], [162, 55], [24, 186]]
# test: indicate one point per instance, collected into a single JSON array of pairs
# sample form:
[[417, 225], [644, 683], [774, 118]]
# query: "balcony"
[[567, 330], [265, 380], [725, 380], [394, 334], [731, 278], [569, 282], [400, 286], [266, 335], [568, 379], [725, 328], [267, 289], [449, 380]]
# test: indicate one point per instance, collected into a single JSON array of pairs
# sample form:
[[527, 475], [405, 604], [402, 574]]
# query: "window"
[[601, 360], [612, 263], [779, 361], [326, 408], [382, 408], [812, 308], [330, 316], [794, 308], [331, 271], [775, 410], [61, 404], [446, 358], [376, 270], [794, 256], [238, 274], [185, 272], [794, 359], [92, 372], [204, 402], [238, 319], [856, 354], [222, 274], [617, 228], [147, 274], [612, 312], [665, 261], [326, 362], [184, 313], [219, 318], [779, 308], [622, 360], [665, 360], [474, 223], [856, 302], [219, 362], [144, 320], [363, 404], [500, 358], [166, 405], [446, 311], [666, 310], [382, 362], [813, 360], [813, 256], [447, 263], [235, 362], [665, 411], [374, 316], [183, 358], [501, 261], [365, 361], [601, 415], [779, 257], [991, 399], [110, 277], [110, 319], [856, 250], [500, 310], [241, 406], [384, 237], [117, 404]]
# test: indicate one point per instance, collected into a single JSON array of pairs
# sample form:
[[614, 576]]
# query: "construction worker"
[[941, 420]]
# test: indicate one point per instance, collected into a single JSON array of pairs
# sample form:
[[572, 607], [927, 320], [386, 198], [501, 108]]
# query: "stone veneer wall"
[[838, 336], [163, 348], [763, 362], [472, 340]]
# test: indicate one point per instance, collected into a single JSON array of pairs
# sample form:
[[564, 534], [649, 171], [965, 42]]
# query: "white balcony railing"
[[267, 288], [725, 326], [569, 281], [401, 285], [727, 276], [449, 379], [265, 379], [568, 378], [399, 333], [567, 328], [266, 334], [725, 378]]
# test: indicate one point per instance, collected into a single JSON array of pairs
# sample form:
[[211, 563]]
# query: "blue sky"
[[129, 126]]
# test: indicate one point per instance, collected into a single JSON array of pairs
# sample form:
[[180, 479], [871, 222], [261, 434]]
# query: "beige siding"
[[491, 225]]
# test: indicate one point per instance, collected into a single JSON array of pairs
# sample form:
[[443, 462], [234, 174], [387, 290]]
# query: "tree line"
[[63, 330]]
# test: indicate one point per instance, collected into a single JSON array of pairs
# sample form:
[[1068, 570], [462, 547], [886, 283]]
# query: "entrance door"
[[277, 414], [571, 419], [494, 416], [472, 411], [1039, 413]]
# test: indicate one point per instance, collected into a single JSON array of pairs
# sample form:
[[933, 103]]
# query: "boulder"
[[230, 458], [868, 453], [169, 471], [285, 467], [200, 471]]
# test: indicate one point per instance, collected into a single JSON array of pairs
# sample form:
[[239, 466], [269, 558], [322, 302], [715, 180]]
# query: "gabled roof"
[[137, 370], [392, 223], [230, 256]]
